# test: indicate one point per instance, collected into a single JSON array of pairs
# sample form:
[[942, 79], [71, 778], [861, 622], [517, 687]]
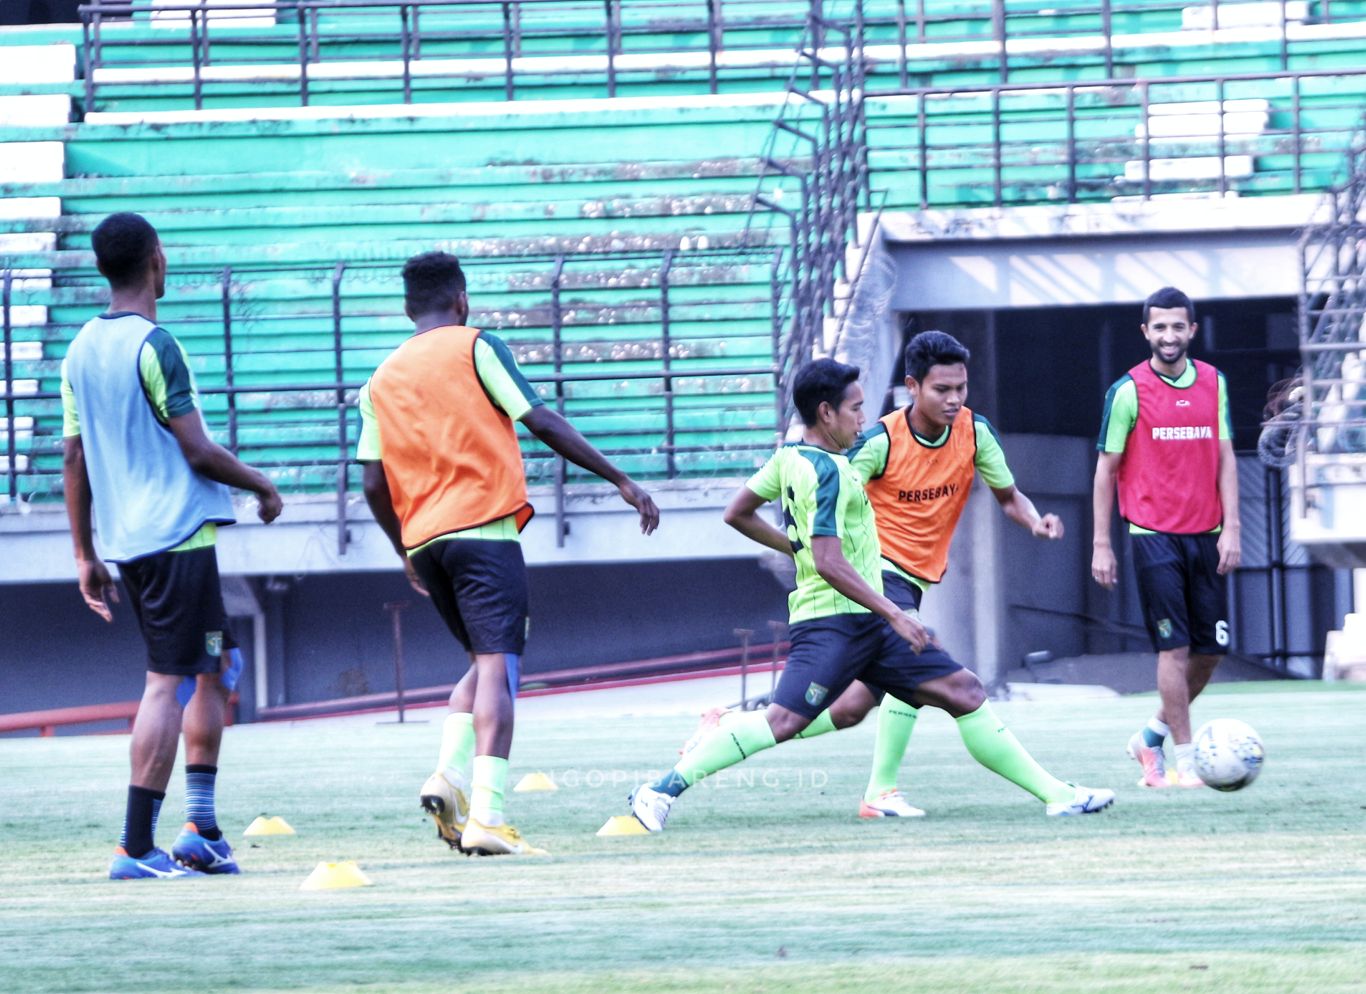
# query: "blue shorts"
[[1184, 599], [828, 654], [900, 591]]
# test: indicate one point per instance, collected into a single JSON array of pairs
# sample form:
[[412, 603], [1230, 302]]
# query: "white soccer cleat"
[[1085, 801], [889, 804], [651, 807], [1185, 776]]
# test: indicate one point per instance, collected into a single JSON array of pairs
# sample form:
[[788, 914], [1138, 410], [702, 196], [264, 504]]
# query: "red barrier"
[[47, 721]]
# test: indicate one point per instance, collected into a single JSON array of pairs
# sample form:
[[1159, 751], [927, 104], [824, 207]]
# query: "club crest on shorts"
[[1164, 628], [815, 694], [213, 643]]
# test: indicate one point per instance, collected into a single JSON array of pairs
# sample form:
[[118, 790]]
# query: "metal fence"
[[1010, 144], [353, 314], [527, 44], [823, 123], [1331, 405]]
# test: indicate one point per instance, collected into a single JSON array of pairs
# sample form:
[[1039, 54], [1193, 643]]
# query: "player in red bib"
[[1166, 444]]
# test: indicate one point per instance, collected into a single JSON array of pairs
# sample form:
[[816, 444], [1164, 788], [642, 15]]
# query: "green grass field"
[[773, 885]]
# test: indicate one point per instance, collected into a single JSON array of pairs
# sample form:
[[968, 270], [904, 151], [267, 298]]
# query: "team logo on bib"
[[1164, 628], [213, 643], [815, 694]]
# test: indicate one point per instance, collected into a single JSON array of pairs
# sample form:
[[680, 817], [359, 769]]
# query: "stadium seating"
[[608, 193], [259, 199]]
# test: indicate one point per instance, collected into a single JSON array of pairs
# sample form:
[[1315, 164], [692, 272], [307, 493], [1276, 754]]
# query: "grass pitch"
[[764, 881]]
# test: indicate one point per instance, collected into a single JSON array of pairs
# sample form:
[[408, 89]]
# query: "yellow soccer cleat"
[[496, 840], [448, 803]]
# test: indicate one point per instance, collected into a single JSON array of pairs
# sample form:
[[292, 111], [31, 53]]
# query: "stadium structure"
[[664, 208]]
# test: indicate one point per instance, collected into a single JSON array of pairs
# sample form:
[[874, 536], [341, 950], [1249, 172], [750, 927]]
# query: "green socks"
[[895, 722], [733, 740], [457, 745], [992, 744], [486, 792], [821, 724]]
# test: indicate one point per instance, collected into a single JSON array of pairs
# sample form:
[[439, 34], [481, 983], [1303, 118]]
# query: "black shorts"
[[1184, 599], [178, 601], [830, 653], [479, 588], [900, 591]]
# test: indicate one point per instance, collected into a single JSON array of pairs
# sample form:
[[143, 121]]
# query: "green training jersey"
[[822, 496]]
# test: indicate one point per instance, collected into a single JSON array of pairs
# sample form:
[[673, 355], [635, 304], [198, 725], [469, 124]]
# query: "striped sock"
[[140, 820], [199, 784]]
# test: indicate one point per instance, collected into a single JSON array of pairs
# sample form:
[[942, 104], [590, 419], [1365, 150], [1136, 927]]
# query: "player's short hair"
[[933, 348], [821, 381], [123, 243], [432, 282], [1168, 297]]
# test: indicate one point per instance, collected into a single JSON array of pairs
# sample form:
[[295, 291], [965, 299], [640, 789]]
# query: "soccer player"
[[1166, 441], [444, 478], [136, 450], [918, 464], [843, 627]]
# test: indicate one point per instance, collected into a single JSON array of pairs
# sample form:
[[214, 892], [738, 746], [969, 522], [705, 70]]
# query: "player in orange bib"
[[918, 465], [444, 479]]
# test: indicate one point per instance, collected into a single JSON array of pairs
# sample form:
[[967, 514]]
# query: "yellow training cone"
[[272, 825], [533, 782], [623, 825], [335, 876]]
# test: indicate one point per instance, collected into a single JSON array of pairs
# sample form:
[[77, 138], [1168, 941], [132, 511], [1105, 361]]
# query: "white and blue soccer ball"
[[1228, 754]]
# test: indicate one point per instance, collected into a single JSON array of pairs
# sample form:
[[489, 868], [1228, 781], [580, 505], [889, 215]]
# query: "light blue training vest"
[[147, 499]]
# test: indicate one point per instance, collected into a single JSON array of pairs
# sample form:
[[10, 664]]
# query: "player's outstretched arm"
[[207, 458], [1021, 510], [742, 514], [97, 586], [552, 429], [837, 571], [1103, 568], [375, 484], [1230, 536]]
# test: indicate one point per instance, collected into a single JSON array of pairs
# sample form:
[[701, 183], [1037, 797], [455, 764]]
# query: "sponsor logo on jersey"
[[927, 493], [1183, 403], [1182, 433]]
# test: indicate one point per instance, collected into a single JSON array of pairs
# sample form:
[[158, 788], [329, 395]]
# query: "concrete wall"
[[329, 636]]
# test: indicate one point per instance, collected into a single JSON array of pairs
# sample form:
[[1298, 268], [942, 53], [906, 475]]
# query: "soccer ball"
[[1228, 754]]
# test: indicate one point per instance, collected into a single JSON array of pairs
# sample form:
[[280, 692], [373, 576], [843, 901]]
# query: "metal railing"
[[528, 44], [1010, 144], [417, 41], [1329, 409], [823, 119], [302, 430]]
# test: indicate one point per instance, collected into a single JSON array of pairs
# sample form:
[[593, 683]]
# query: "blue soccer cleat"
[[156, 865], [201, 854]]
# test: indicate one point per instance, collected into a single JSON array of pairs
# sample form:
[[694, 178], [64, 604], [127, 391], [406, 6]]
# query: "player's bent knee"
[[958, 693], [785, 724], [850, 709]]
